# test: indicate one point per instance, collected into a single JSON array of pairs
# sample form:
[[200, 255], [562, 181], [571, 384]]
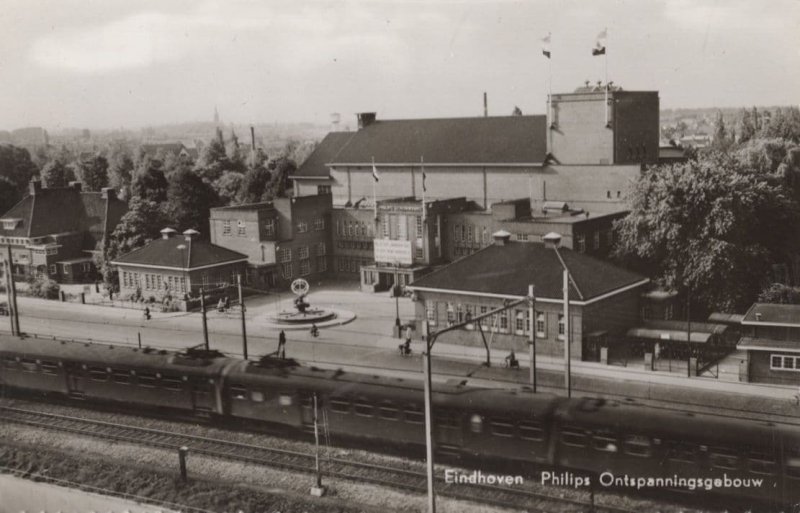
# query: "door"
[[202, 398], [76, 382]]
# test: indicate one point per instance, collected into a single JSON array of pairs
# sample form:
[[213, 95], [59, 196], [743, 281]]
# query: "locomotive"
[[593, 436]]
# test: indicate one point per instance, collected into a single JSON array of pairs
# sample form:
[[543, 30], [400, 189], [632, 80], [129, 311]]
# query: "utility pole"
[[317, 490], [396, 293], [244, 327], [426, 368], [7, 269], [12, 298], [532, 328], [567, 375], [203, 312]]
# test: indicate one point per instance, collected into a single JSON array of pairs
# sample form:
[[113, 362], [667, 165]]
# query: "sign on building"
[[393, 251]]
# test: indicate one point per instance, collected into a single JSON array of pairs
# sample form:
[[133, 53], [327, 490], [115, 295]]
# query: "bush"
[[43, 287]]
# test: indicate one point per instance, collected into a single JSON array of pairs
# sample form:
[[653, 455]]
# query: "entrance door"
[[76, 382]]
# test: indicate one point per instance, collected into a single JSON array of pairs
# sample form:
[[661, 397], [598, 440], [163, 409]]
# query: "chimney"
[[190, 234], [552, 240], [167, 233], [485, 105], [34, 186], [108, 193], [365, 119], [252, 138], [501, 238], [76, 185]]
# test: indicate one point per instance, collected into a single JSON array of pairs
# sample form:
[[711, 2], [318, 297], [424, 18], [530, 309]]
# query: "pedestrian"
[[314, 330], [146, 313], [282, 345], [409, 333], [221, 305]]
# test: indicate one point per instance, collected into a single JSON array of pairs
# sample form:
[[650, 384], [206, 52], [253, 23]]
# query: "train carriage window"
[[388, 412], [681, 451], [605, 442], [172, 383], [29, 365], [760, 463], [446, 419], [529, 430], [147, 379], [793, 465], [476, 423], [49, 367], [340, 405], [120, 376], [363, 409], [10, 363], [575, 437], [637, 445], [257, 396], [98, 374], [238, 392], [285, 400], [414, 414], [723, 458], [502, 427]]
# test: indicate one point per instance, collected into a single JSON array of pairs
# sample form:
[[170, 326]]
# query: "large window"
[[286, 270], [226, 227], [302, 227], [285, 255], [302, 252], [782, 362], [580, 243], [560, 326], [269, 227], [305, 267], [430, 312], [321, 249], [319, 223], [451, 314]]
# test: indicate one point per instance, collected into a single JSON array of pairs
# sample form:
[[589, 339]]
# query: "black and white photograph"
[[399, 256]]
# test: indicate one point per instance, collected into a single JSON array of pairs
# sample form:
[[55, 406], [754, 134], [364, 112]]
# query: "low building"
[[56, 232], [176, 266], [604, 299], [771, 338], [283, 239]]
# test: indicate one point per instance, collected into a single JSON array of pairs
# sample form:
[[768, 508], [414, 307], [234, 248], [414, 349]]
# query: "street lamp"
[[396, 293], [554, 239]]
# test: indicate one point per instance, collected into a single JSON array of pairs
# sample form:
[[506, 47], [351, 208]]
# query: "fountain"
[[304, 314]]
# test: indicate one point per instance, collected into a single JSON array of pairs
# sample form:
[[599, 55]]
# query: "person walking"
[[282, 345]]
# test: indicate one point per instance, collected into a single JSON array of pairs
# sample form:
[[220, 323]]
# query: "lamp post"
[[396, 293], [554, 239]]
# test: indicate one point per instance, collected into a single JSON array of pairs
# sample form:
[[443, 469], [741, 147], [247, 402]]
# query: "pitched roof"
[[467, 141], [770, 313], [172, 147], [167, 253], [315, 165], [508, 270]]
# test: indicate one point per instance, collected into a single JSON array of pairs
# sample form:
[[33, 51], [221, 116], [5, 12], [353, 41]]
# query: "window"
[[580, 243], [560, 326], [323, 189], [49, 367], [302, 252], [637, 445], [781, 362], [226, 227], [647, 313], [720, 457], [541, 325], [522, 237], [53, 271], [340, 406], [418, 222], [459, 313], [305, 267], [241, 228], [171, 383], [414, 414], [319, 224], [363, 409], [605, 442], [504, 321], [286, 270], [385, 226], [574, 437], [147, 379], [476, 423], [430, 312], [322, 264], [519, 322], [257, 396], [531, 431], [761, 463], [596, 240], [302, 227], [321, 249], [681, 451], [120, 376], [451, 314], [269, 227], [238, 392], [388, 412], [285, 255], [457, 233]]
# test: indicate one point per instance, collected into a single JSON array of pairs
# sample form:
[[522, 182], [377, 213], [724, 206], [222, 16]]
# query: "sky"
[[128, 63]]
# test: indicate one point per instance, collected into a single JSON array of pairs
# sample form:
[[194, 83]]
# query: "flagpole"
[[374, 192], [549, 99], [424, 204], [605, 62]]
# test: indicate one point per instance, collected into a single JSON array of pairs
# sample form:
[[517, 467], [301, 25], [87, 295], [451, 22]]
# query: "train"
[[604, 439]]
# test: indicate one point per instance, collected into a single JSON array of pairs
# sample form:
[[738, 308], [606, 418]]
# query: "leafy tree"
[[93, 172], [784, 124], [237, 155], [780, 293], [189, 199], [56, 174], [42, 286], [721, 140], [16, 170], [213, 160], [228, 186], [280, 169], [142, 223], [713, 226], [149, 182], [254, 185], [747, 127], [517, 111], [120, 173]]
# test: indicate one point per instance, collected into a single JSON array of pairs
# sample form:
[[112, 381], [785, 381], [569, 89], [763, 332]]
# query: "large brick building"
[[283, 239], [57, 231], [604, 299]]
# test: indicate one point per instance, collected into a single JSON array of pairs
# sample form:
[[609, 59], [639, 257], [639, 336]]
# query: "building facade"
[[771, 339], [56, 232]]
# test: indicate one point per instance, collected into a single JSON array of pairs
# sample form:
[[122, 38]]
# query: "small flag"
[[424, 176], [374, 171], [600, 43], [546, 45]]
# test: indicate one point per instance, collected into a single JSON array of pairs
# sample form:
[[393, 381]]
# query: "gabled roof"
[[773, 314], [507, 270], [506, 140], [172, 147], [193, 254]]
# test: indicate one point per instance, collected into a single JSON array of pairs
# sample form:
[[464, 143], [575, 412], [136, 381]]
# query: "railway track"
[[521, 497]]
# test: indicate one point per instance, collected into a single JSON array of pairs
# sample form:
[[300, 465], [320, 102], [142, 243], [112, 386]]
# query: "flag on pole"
[[546, 45], [374, 171], [600, 43]]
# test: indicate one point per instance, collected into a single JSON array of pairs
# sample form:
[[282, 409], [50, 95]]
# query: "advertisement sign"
[[393, 251]]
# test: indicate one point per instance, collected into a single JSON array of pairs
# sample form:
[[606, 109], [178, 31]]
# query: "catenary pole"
[[203, 313], [532, 328], [567, 374], [426, 368], [241, 305]]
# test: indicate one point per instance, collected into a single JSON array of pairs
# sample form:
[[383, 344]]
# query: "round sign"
[[300, 287]]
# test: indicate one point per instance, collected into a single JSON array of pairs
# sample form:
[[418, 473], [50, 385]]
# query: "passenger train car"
[[584, 435]]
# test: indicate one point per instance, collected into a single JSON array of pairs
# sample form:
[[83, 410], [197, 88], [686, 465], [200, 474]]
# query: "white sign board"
[[393, 251]]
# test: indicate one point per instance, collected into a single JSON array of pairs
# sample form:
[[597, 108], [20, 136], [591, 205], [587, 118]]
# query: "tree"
[[712, 226], [747, 127], [149, 181], [213, 160], [254, 185], [93, 172], [43, 287], [784, 124], [237, 156], [56, 174], [517, 111], [228, 186], [142, 223], [280, 169], [16, 170], [780, 293], [721, 140], [189, 199], [120, 173]]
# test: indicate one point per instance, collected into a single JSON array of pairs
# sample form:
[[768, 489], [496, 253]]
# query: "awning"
[[668, 335]]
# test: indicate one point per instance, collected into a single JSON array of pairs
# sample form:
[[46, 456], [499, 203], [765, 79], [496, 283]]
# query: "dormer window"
[[11, 224]]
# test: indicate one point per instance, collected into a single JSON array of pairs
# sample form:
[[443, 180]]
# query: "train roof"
[[190, 361], [674, 424]]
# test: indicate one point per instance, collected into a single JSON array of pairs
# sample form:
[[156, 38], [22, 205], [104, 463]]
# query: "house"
[[771, 339], [603, 298], [177, 266], [57, 231], [283, 239], [176, 149]]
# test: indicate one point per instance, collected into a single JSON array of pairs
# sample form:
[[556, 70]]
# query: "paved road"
[[366, 345]]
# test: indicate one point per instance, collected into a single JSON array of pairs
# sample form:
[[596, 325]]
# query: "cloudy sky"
[[114, 63]]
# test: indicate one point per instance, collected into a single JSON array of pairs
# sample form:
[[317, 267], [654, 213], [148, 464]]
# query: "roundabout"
[[304, 316]]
